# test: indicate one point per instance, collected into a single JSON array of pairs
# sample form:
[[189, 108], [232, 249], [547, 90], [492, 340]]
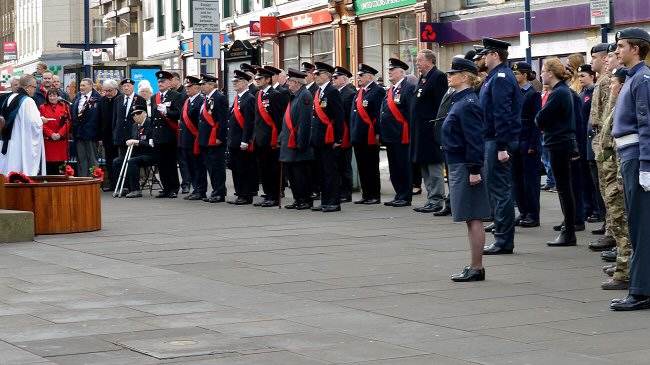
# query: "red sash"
[[240, 120], [292, 134], [372, 140], [329, 134], [191, 127], [212, 141], [398, 115], [267, 119], [346, 143], [173, 125]]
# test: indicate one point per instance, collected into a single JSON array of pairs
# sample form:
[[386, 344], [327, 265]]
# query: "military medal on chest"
[[419, 93], [210, 105], [365, 103], [323, 103]]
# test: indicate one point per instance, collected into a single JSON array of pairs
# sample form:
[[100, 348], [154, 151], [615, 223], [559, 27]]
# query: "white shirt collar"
[[367, 86], [399, 82], [90, 94], [276, 85], [309, 85], [193, 97], [242, 93], [322, 87], [211, 92], [266, 89]]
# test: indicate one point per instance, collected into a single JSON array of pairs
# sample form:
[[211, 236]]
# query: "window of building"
[[384, 38], [161, 18], [318, 46], [227, 8], [176, 16], [266, 3], [190, 12], [472, 3], [267, 53], [246, 6]]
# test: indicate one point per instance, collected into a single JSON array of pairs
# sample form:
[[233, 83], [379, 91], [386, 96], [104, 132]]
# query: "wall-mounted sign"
[[304, 20], [371, 6], [427, 32], [254, 28], [10, 51], [599, 10], [268, 26]]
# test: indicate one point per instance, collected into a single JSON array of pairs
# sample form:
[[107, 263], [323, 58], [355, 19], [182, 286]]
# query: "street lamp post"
[[527, 27]]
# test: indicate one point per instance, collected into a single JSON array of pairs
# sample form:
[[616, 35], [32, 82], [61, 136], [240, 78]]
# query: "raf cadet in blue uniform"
[[526, 162], [213, 133], [189, 138], [501, 102], [364, 133], [394, 122], [632, 135]]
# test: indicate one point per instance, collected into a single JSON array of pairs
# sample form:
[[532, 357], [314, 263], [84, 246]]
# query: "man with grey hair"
[[105, 107], [56, 82], [86, 126], [21, 146]]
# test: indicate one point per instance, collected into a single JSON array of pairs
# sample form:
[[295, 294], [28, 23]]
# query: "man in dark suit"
[[250, 70], [85, 126], [295, 147], [213, 131], [166, 108], [177, 85], [275, 81], [364, 133], [269, 109], [394, 122], [105, 107], [186, 178], [121, 117], [189, 138], [241, 123], [340, 80], [424, 151], [327, 135], [308, 69]]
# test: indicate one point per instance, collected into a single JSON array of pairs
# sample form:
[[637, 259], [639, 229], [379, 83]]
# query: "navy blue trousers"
[[499, 184], [399, 167], [637, 207]]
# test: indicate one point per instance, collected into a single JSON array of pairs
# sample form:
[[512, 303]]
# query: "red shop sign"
[[304, 20]]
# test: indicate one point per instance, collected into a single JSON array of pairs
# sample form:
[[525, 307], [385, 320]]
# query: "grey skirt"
[[467, 202]]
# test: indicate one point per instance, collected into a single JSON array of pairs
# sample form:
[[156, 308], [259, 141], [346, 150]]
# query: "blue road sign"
[[207, 45]]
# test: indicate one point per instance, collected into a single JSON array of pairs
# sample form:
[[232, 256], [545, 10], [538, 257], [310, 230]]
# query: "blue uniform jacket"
[[332, 105], [631, 115], [463, 130], [372, 98], [186, 138], [557, 119], [86, 124], [501, 101], [427, 96], [391, 128], [217, 106], [586, 96], [581, 125], [237, 135], [532, 104]]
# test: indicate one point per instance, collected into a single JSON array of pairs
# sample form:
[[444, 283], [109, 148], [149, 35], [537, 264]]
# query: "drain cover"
[[181, 343]]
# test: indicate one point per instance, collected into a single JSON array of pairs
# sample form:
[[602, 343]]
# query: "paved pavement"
[[179, 282]]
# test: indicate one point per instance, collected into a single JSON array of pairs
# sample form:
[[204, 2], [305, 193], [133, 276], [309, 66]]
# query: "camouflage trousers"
[[616, 218]]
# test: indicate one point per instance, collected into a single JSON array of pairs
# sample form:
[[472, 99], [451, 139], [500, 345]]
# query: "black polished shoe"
[[317, 208], [292, 205], [518, 219], [389, 203], [315, 196], [631, 303], [496, 250], [217, 199], [558, 227], [469, 274], [428, 208], [195, 197], [303, 206], [442, 212], [185, 190], [599, 231], [609, 256], [580, 227], [162, 195], [563, 240], [173, 195], [269, 203], [361, 201], [346, 198], [331, 208], [241, 201], [489, 227], [528, 223], [372, 201], [401, 203]]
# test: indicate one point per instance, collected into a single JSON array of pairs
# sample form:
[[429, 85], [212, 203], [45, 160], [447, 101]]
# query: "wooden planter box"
[[61, 205]]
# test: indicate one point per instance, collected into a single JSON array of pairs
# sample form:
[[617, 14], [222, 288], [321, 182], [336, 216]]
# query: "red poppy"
[[69, 171], [98, 174], [18, 177]]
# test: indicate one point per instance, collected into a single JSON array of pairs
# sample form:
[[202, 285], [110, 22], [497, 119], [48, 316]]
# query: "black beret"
[[620, 73], [164, 75], [127, 81], [241, 75], [341, 71], [459, 64], [397, 63], [492, 44], [275, 70], [263, 72], [307, 67], [323, 67], [521, 66], [191, 80], [600, 47], [611, 47], [247, 67], [205, 78], [586, 68], [469, 55], [292, 72], [633, 33], [365, 69], [137, 108]]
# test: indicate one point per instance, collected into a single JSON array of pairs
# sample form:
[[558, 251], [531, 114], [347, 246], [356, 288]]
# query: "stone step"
[[16, 226]]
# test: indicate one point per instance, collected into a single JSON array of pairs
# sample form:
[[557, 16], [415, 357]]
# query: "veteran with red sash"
[[364, 133], [340, 80], [189, 138], [166, 108], [213, 131], [394, 122], [295, 148], [241, 123]]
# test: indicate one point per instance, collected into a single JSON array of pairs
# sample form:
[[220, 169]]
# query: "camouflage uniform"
[[599, 109], [610, 178]]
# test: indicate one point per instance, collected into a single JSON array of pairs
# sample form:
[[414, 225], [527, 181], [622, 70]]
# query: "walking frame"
[[120, 180]]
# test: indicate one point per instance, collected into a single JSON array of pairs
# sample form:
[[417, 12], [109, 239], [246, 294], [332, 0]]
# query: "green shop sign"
[[371, 6]]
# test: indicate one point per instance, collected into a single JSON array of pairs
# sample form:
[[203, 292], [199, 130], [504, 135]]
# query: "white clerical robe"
[[26, 150]]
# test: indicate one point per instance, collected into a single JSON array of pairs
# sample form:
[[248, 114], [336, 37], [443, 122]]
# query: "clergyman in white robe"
[[26, 150]]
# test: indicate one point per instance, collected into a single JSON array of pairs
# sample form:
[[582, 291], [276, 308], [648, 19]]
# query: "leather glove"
[[644, 180]]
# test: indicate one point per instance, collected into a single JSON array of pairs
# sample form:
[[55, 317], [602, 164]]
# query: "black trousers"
[[132, 177], [330, 180], [600, 203], [561, 167], [166, 156], [417, 175], [244, 172], [197, 171], [344, 165], [526, 176], [269, 167], [111, 154], [368, 165], [186, 177], [399, 167], [299, 174], [214, 160]]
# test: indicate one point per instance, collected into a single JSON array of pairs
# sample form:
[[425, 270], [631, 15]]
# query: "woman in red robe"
[[56, 125]]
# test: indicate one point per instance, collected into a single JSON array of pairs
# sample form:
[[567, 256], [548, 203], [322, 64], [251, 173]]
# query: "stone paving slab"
[[368, 286]]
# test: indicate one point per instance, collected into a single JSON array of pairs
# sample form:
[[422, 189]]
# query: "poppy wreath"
[[18, 177]]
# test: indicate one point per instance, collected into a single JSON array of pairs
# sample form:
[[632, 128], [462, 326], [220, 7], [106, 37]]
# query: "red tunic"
[[55, 150]]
